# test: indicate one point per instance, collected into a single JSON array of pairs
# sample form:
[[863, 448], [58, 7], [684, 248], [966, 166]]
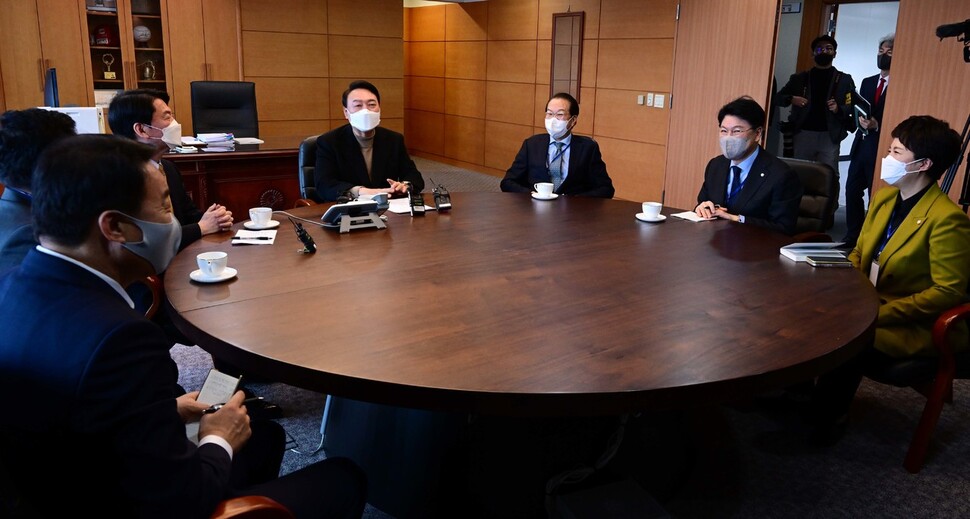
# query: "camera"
[[960, 30]]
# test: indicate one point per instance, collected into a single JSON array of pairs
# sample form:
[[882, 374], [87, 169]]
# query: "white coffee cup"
[[212, 264], [544, 189], [651, 210], [261, 215]]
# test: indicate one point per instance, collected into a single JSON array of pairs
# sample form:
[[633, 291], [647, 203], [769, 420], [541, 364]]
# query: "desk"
[[253, 175], [509, 305]]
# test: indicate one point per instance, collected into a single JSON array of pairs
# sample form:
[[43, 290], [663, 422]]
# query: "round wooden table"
[[509, 305]]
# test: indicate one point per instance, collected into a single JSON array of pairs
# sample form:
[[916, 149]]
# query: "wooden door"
[[222, 43], [62, 45], [723, 50], [21, 55], [186, 39]]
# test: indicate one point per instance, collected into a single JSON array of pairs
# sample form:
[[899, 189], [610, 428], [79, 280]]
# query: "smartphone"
[[828, 261]]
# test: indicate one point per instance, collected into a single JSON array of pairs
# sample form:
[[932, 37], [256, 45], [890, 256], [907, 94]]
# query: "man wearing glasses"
[[821, 101], [747, 184], [571, 162]]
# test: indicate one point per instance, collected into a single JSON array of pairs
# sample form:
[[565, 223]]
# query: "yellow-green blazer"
[[923, 270]]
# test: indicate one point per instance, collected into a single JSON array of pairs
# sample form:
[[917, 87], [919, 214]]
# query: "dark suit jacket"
[[769, 198], [865, 149], [183, 207], [16, 231], [92, 409], [340, 163], [586, 174]]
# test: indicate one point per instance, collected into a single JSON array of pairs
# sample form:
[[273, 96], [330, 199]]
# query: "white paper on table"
[[245, 237], [248, 140], [403, 206], [692, 216], [192, 141], [217, 149]]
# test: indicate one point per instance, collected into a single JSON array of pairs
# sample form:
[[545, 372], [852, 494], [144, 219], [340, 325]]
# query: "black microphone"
[[953, 29], [309, 247]]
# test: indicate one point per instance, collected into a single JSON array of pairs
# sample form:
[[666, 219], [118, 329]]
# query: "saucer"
[[197, 275], [643, 218], [550, 197], [252, 226]]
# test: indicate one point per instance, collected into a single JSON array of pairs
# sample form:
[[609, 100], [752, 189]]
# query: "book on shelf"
[[799, 251]]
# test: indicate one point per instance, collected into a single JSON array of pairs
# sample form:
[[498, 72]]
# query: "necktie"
[[735, 185], [555, 166], [882, 84]]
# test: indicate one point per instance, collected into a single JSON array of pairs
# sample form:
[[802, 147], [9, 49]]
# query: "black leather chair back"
[[307, 161], [821, 188], [224, 107]]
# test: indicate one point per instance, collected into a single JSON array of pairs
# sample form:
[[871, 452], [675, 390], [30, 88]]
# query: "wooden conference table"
[[514, 306]]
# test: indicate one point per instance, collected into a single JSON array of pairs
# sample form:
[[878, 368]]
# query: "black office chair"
[[821, 188], [225, 107], [306, 160]]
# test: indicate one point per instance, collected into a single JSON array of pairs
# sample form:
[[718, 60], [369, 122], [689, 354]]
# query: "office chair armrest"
[[944, 323], [252, 507], [154, 284], [303, 202]]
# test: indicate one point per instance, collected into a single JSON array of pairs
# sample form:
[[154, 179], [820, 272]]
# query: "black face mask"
[[824, 59], [883, 61]]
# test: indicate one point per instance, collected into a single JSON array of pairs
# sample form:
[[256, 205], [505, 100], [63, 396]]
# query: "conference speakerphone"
[[357, 214]]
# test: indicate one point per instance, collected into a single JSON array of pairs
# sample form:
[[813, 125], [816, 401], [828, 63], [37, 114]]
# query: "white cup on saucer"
[[651, 210], [544, 189], [261, 216], [212, 264]]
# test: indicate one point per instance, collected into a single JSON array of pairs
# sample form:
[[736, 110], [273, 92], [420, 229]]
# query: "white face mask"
[[171, 134], [893, 170], [557, 129], [734, 148], [364, 120]]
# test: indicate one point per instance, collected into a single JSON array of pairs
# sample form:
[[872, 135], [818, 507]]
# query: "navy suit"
[[16, 232], [865, 150], [93, 413], [586, 174], [340, 163], [769, 198]]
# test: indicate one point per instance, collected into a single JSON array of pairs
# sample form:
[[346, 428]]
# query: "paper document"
[[799, 251], [248, 140], [403, 206], [244, 237], [192, 141], [692, 216]]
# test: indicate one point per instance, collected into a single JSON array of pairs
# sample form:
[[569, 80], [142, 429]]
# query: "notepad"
[[218, 388], [798, 252]]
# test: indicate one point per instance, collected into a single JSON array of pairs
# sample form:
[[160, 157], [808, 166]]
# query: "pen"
[[252, 238], [217, 407]]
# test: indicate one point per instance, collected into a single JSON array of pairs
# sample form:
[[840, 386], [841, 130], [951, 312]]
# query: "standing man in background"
[[821, 101], [862, 163], [361, 158], [573, 163]]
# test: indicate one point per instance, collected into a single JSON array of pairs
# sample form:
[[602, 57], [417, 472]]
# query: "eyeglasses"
[[734, 132], [561, 115]]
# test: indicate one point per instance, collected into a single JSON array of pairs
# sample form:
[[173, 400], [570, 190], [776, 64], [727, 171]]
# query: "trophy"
[[108, 59]]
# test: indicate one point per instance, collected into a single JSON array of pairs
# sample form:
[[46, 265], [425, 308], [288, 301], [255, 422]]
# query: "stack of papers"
[[800, 251], [244, 237], [217, 140]]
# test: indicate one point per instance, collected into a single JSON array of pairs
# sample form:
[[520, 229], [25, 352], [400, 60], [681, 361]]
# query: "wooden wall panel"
[[513, 61], [427, 59], [512, 19], [543, 61], [465, 97], [281, 99], [296, 129], [466, 21], [637, 168], [426, 93], [431, 138], [706, 76], [590, 63], [620, 117], [262, 52], [299, 16], [929, 76], [465, 139], [653, 70], [427, 24], [465, 60], [504, 102], [653, 19], [502, 142], [384, 56], [380, 18]]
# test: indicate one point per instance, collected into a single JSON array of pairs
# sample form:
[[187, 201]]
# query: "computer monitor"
[[51, 97]]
